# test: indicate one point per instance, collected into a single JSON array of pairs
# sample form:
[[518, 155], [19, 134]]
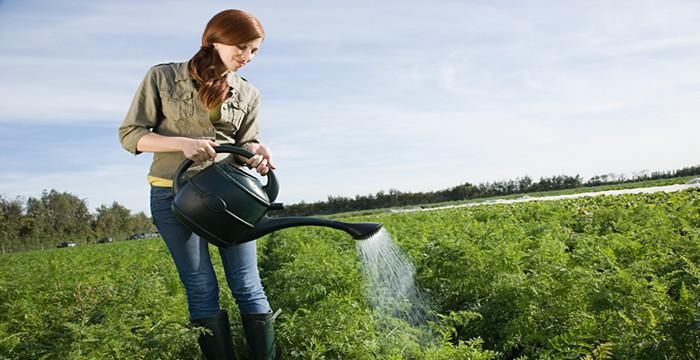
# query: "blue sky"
[[364, 96]]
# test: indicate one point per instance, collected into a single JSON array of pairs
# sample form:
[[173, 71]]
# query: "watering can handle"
[[272, 188]]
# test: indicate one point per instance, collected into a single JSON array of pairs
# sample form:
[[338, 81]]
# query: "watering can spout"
[[358, 231]]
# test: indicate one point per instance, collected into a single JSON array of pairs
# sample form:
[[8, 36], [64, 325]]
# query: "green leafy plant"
[[611, 277]]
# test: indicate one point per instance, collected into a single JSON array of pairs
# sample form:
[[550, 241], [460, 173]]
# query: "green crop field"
[[610, 277]]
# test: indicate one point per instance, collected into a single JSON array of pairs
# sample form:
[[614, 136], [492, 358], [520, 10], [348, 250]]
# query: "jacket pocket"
[[178, 105], [232, 114]]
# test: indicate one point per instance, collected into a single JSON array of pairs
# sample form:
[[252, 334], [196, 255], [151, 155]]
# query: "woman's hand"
[[262, 160], [199, 150]]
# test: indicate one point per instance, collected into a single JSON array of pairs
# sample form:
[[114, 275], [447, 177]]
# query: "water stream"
[[391, 290]]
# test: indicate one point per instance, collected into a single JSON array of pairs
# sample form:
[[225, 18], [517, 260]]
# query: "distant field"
[[580, 190], [591, 278]]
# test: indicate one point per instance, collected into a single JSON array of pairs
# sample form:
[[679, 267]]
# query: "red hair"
[[229, 27]]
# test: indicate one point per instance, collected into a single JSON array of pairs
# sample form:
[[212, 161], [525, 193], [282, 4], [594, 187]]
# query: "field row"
[[604, 277]]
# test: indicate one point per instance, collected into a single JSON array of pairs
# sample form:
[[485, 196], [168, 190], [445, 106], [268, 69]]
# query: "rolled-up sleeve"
[[144, 113], [249, 130]]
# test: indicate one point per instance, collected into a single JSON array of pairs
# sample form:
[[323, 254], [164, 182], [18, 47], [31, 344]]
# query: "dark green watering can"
[[226, 205]]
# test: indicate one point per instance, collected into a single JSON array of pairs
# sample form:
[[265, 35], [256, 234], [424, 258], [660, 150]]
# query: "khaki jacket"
[[166, 103]]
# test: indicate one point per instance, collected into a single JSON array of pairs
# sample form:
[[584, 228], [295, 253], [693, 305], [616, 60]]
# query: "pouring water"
[[391, 289]]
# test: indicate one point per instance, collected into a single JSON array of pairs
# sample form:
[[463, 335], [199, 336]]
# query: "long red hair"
[[229, 27]]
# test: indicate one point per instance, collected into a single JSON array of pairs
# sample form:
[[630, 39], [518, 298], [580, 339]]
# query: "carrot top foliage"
[[590, 278]]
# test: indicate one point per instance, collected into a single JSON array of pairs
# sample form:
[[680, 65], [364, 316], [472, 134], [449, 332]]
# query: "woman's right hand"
[[199, 150]]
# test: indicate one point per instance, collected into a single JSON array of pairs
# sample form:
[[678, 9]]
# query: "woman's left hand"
[[262, 160]]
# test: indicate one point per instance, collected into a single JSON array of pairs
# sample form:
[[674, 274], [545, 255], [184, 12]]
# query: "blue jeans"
[[191, 256]]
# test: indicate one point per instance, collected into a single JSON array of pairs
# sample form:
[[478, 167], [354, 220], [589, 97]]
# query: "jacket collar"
[[232, 79]]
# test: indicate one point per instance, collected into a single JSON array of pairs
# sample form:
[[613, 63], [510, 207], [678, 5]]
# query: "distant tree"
[[688, 171], [113, 220], [36, 227], [597, 180], [140, 223], [524, 184], [57, 215], [68, 214], [11, 213], [461, 192]]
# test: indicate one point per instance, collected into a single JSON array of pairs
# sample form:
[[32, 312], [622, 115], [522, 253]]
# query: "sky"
[[363, 96]]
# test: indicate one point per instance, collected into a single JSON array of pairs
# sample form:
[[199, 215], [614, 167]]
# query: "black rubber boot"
[[218, 345], [260, 334]]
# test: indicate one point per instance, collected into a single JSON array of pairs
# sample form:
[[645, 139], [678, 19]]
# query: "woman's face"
[[235, 56]]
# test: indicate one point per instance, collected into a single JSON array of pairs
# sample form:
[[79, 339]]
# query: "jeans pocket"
[[161, 200]]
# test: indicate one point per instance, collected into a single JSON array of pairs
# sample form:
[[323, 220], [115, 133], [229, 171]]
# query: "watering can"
[[226, 205]]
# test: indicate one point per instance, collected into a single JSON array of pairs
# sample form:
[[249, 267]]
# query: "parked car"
[[136, 236], [142, 235], [66, 244], [104, 240]]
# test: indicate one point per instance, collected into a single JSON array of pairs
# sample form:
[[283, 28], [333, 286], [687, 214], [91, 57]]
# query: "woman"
[[184, 110]]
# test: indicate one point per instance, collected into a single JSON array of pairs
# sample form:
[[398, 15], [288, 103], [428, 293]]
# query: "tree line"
[[43, 222], [467, 191]]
